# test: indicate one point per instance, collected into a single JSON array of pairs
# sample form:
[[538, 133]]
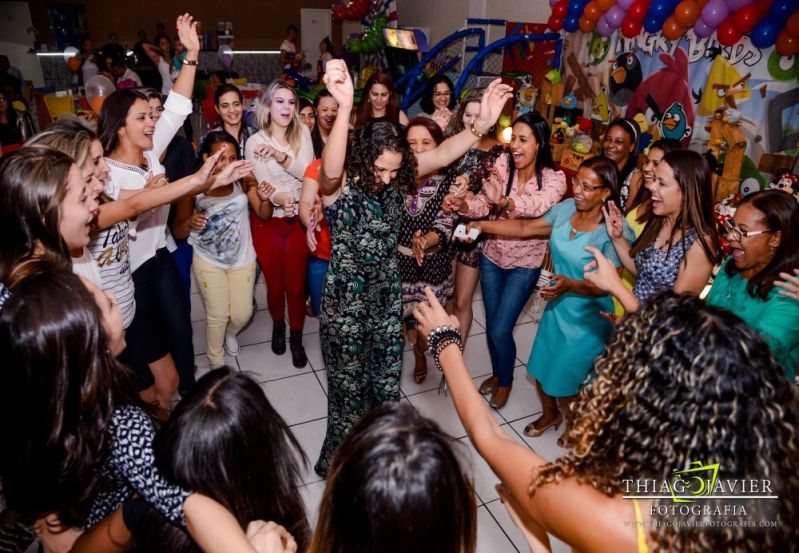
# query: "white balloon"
[[99, 85], [70, 51]]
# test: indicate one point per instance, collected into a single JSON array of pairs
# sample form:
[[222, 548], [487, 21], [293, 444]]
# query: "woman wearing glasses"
[[438, 100], [571, 333], [679, 244]]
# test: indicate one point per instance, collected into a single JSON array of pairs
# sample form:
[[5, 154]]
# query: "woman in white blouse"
[[281, 150]]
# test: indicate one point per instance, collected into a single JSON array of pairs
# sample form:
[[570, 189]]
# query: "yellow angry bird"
[[600, 111], [724, 87]]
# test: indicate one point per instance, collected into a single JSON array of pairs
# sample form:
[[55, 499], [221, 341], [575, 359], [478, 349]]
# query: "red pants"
[[280, 246]]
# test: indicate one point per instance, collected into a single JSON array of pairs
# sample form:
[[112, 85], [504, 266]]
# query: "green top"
[[777, 318]]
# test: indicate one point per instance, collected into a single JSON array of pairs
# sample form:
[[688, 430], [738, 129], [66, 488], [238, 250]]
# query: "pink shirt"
[[510, 253]]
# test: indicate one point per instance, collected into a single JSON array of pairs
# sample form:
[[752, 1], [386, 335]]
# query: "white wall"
[[15, 19], [526, 11]]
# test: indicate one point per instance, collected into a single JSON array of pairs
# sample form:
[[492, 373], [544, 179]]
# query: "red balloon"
[[637, 11], [630, 28], [792, 27], [338, 13], [671, 29], [560, 9], [786, 44], [687, 13], [728, 33], [747, 17], [555, 23], [586, 25], [592, 11]]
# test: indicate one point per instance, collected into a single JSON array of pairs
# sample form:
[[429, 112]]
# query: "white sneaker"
[[232, 345]]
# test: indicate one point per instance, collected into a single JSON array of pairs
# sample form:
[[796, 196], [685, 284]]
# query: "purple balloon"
[[614, 17], [603, 28], [715, 12], [736, 5], [702, 29], [625, 4]]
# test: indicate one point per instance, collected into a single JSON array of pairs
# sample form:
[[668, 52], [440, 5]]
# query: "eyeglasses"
[[441, 94], [736, 235], [584, 187]]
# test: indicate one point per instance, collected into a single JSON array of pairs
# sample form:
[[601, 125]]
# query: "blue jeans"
[[182, 257], [315, 281], [505, 291]]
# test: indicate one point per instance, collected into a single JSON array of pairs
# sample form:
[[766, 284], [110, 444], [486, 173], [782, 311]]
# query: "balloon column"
[[768, 22], [354, 11], [98, 88], [72, 57], [371, 40]]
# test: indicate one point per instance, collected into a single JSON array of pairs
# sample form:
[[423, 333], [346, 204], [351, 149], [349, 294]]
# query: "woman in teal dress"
[[360, 322], [764, 236], [572, 332]]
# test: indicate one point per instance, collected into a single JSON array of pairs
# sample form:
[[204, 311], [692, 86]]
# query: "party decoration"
[[672, 30], [765, 33], [571, 23], [637, 11], [560, 10], [715, 12], [72, 58], [786, 44], [728, 32], [592, 11], [702, 29], [792, 27], [615, 16], [652, 25], [747, 17], [603, 27], [554, 23], [225, 55], [687, 12], [98, 88], [586, 25], [630, 28], [355, 10]]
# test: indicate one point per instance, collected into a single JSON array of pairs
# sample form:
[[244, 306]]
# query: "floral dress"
[[476, 163], [360, 321], [423, 211]]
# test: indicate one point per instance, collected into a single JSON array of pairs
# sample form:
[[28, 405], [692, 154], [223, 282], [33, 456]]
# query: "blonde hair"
[[69, 136], [264, 117]]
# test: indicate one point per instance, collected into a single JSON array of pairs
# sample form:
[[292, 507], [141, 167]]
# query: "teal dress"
[[571, 333], [776, 318]]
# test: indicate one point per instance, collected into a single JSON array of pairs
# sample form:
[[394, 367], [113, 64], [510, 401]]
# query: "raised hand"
[[600, 272], [418, 245], [187, 32], [442, 116], [339, 83], [156, 180], [789, 284], [460, 186], [234, 171], [614, 220], [491, 104], [492, 187], [270, 537], [431, 314], [202, 176], [264, 152], [452, 203]]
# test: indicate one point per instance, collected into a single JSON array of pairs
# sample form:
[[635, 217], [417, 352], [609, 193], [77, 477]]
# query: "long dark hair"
[[211, 139], [665, 145], [780, 213], [59, 386], [316, 136], [426, 102], [367, 143], [543, 157], [113, 115], [223, 89], [396, 485], [226, 441], [33, 184], [364, 113], [692, 173]]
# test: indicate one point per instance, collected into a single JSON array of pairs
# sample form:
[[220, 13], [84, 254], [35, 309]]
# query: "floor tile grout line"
[[502, 528]]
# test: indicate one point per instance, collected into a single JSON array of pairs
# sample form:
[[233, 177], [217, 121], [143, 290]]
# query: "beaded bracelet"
[[439, 338]]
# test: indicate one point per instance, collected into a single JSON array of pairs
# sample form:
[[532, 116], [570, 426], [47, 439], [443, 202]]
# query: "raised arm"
[[516, 228], [491, 105], [339, 83], [605, 276], [614, 223], [187, 32], [153, 52]]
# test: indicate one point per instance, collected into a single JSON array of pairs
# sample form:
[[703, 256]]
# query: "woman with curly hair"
[[661, 400], [360, 320]]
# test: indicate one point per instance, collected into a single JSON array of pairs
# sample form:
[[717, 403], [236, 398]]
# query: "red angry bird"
[[662, 89]]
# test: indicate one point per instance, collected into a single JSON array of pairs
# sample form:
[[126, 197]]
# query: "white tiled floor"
[[300, 396]]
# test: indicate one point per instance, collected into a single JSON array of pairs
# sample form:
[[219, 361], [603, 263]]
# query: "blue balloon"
[[652, 25], [764, 35], [576, 8], [782, 9], [571, 23], [660, 10]]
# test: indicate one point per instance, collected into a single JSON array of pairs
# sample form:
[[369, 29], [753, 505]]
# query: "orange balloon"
[[586, 25], [786, 44], [687, 13], [605, 5], [592, 12], [792, 27], [74, 63], [671, 29], [97, 103]]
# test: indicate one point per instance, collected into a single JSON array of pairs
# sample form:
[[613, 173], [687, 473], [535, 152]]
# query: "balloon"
[[765, 33], [575, 8], [687, 13], [603, 28], [702, 29], [586, 25], [786, 44], [715, 12], [728, 33], [615, 16], [625, 4], [652, 25], [671, 29], [74, 63], [552, 3], [781, 9], [98, 88], [338, 13], [72, 58], [571, 24], [592, 12], [736, 5], [660, 10], [637, 11], [225, 55], [560, 10], [606, 4], [792, 27], [555, 23], [70, 51], [630, 28], [747, 17]]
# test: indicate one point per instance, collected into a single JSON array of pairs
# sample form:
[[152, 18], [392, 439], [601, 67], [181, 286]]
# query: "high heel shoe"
[[420, 368], [533, 432]]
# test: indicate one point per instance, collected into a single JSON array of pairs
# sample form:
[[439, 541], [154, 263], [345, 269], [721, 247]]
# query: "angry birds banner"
[[674, 89]]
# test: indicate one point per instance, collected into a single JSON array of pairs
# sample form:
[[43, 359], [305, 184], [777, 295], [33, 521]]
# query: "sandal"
[[533, 432], [420, 368]]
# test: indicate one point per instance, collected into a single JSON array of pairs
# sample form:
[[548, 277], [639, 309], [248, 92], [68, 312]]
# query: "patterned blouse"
[[658, 270]]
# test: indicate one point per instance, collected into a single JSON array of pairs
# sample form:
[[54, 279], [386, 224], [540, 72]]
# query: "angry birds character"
[[724, 84], [783, 68], [568, 102], [667, 86], [526, 96], [625, 76], [749, 186], [673, 124], [599, 110], [786, 181], [598, 48]]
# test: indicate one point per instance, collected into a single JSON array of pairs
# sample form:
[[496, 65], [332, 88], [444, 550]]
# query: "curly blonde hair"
[[680, 382]]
